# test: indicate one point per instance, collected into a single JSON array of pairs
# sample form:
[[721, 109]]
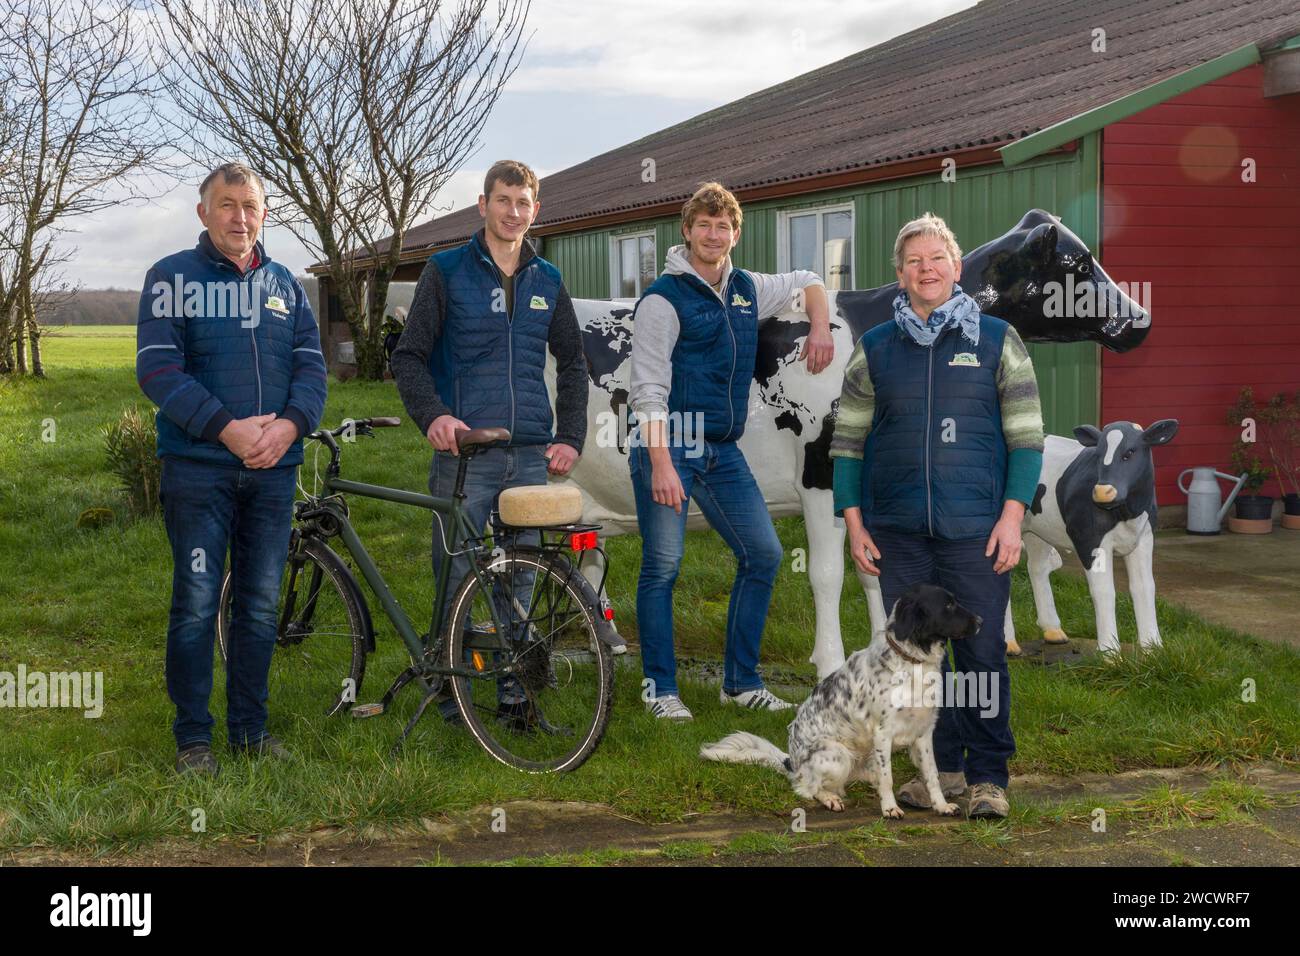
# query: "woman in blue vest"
[[938, 446], [693, 348]]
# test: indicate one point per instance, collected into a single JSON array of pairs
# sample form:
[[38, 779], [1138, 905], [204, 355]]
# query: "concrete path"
[[531, 832], [1247, 582]]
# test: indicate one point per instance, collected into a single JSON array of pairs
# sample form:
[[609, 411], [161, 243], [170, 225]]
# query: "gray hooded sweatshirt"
[[655, 333]]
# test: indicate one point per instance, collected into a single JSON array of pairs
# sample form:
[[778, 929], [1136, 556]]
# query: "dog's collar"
[[897, 649]]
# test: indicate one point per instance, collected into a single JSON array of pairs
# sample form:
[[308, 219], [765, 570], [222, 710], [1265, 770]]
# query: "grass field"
[[97, 601]]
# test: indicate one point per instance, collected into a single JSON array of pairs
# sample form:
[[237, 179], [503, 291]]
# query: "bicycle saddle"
[[469, 437]]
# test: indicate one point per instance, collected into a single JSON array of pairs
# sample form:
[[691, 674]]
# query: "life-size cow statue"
[[792, 413], [1096, 498]]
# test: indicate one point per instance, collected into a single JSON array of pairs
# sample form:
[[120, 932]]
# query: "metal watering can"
[[1204, 509]]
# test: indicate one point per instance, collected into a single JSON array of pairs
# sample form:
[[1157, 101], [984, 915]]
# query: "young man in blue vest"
[[693, 350], [472, 355], [230, 353]]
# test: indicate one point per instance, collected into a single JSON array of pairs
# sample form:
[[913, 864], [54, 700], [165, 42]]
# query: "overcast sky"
[[595, 76]]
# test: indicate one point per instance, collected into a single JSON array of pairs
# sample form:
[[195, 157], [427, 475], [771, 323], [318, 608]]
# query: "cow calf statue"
[[1096, 499]]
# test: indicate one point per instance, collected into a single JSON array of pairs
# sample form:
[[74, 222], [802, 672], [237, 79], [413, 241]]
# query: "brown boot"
[[989, 801]]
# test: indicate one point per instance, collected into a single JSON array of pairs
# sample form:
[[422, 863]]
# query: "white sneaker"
[[761, 699], [668, 707]]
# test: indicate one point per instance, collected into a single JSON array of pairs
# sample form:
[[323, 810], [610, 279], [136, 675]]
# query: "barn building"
[[1165, 133]]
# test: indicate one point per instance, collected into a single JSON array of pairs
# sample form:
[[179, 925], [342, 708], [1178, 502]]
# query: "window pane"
[[837, 256], [647, 263], [627, 268], [838, 225], [803, 242]]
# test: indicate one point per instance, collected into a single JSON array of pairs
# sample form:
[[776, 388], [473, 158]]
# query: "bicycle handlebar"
[[468, 440], [356, 424]]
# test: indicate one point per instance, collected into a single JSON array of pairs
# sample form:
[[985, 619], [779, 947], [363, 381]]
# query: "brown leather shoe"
[[914, 793], [198, 760]]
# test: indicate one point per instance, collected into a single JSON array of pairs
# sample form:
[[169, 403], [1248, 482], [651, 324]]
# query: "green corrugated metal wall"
[[982, 203]]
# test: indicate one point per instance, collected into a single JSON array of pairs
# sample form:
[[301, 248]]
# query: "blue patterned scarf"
[[961, 311]]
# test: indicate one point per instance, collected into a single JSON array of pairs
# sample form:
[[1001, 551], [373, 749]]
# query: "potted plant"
[[1282, 415], [1254, 512]]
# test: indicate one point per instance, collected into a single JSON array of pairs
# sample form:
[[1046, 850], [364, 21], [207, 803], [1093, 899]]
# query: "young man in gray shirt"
[[694, 341]]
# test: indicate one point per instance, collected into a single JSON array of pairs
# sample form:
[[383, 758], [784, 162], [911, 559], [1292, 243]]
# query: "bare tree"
[[77, 123], [357, 112]]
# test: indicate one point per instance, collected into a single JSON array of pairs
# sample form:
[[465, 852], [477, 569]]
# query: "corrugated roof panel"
[[993, 73]]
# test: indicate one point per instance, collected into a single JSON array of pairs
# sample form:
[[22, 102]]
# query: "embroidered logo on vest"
[[738, 299], [965, 358], [538, 303]]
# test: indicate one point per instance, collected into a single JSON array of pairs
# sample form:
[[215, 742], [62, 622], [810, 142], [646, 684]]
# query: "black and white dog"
[[885, 697]]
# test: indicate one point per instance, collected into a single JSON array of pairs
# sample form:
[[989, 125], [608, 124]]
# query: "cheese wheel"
[[534, 506]]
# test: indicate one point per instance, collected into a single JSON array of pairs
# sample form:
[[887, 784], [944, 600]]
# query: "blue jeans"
[[964, 739], [208, 509], [489, 473], [720, 482]]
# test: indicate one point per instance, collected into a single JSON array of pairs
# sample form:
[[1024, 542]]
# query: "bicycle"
[[526, 646]]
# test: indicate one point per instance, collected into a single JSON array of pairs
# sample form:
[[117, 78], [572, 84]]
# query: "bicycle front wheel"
[[540, 696], [323, 631]]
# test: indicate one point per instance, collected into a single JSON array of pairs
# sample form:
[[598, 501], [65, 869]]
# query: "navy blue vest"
[[713, 360], [239, 340], [935, 460], [487, 365]]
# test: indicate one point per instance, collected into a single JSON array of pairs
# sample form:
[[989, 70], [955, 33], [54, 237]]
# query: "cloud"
[[721, 52], [589, 82]]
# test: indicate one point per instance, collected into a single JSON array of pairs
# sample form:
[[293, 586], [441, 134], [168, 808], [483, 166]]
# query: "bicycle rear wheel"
[[539, 701], [323, 631]]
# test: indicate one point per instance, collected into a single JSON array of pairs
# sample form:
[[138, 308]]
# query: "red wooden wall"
[[1222, 257]]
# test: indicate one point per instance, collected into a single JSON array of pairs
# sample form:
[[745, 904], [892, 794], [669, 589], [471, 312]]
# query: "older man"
[[230, 353]]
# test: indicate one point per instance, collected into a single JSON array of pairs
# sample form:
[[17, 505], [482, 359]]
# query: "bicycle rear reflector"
[[582, 540]]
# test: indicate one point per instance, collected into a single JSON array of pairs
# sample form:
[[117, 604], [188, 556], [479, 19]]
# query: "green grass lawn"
[[97, 601]]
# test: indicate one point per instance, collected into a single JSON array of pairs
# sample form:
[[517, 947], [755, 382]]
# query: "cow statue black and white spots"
[[792, 413], [1096, 499]]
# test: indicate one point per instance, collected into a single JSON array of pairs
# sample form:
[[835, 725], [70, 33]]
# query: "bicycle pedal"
[[361, 711]]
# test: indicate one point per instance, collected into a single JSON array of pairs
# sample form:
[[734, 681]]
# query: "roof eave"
[[1035, 144], [896, 169]]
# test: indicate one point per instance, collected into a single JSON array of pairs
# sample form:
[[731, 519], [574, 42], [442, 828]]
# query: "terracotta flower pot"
[[1291, 511], [1253, 515]]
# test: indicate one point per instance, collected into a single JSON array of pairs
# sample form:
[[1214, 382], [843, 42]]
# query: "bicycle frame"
[[459, 532], [329, 516]]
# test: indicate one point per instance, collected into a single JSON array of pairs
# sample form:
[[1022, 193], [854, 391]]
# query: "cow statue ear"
[[1162, 432], [1088, 435], [1043, 244]]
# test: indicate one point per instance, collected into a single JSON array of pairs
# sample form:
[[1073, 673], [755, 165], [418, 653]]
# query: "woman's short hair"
[[928, 226], [711, 199]]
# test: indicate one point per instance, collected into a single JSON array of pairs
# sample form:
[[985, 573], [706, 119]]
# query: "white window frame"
[[783, 236], [616, 260]]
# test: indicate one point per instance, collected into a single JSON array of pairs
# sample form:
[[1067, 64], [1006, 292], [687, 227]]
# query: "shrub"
[[131, 444], [93, 519], [1245, 455]]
